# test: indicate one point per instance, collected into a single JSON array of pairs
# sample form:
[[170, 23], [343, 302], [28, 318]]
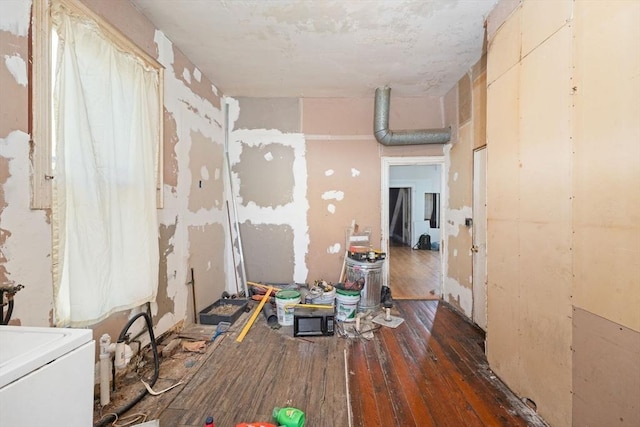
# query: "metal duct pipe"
[[385, 136]]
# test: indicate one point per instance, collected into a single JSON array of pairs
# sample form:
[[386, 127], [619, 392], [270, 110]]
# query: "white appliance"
[[46, 377]]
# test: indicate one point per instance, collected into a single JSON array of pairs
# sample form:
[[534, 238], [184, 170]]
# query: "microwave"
[[310, 322]]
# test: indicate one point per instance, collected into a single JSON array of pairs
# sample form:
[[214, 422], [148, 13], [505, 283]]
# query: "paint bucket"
[[371, 273], [347, 305], [283, 298], [323, 297]]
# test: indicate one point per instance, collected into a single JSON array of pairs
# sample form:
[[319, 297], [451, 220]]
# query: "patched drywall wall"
[[207, 185], [25, 235], [298, 192], [209, 279], [265, 174], [193, 222], [344, 185], [464, 108], [269, 113], [269, 184], [269, 252]]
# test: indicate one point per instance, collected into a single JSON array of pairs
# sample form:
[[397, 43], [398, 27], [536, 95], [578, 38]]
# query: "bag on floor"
[[424, 242]]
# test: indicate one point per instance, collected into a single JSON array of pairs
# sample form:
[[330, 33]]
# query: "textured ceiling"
[[325, 48]]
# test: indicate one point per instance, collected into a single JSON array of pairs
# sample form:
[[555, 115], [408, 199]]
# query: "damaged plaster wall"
[[25, 235], [269, 175], [193, 223], [304, 170], [465, 107], [563, 207]]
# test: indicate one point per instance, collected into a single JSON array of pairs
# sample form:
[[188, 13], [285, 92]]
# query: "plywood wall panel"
[[503, 130], [606, 371], [480, 109], [504, 48], [503, 299], [541, 20], [606, 172], [545, 310], [545, 131], [607, 270]]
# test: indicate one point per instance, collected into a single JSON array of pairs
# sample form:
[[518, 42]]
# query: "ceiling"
[[325, 48]]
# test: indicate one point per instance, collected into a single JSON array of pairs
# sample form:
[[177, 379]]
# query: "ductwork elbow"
[[387, 137]]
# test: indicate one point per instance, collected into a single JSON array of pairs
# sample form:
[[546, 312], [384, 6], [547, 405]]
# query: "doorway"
[[412, 188]]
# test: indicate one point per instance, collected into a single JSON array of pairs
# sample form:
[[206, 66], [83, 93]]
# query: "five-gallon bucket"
[[323, 297], [347, 305], [371, 274], [284, 298]]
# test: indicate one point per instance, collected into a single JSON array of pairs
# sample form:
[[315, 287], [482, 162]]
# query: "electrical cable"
[[112, 417]]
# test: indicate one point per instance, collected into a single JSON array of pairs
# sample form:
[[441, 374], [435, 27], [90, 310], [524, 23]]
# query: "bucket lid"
[[348, 292], [287, 294]]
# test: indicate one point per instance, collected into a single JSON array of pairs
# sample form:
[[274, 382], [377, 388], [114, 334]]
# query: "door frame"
[[386, 163]]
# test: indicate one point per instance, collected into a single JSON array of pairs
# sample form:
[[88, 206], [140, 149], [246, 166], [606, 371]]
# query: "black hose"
[[110, 418], [4, 320]]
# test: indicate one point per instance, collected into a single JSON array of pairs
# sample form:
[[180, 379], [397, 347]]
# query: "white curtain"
[[105, 223]]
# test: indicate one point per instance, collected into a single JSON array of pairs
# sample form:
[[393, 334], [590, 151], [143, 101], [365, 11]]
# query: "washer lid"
[[24, 349]]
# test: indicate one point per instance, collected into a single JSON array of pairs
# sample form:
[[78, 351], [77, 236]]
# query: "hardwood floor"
[[414, 274], [429, 371]]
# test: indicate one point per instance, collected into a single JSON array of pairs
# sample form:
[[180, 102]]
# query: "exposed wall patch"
[[333, 195], [265, 174], [24, 245], [355, 172], [458, 295], [331, 208], [15, 17], [334, 249], [204, 173], [455, 220], [197, 74], [17, 67], [186, 75], [328, 172]]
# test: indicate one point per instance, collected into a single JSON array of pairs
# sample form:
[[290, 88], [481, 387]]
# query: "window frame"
[[40, 150]]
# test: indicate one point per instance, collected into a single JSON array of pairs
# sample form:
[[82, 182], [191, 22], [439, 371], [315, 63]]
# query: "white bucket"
[[347, 305], [284, 298], [325, 297]]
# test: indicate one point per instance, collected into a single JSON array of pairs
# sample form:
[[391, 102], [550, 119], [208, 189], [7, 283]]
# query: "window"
[[97, 161]]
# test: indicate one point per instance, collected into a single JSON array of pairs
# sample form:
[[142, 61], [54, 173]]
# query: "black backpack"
[[424, 242]]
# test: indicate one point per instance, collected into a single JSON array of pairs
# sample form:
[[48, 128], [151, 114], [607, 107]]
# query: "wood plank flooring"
[[414, 274], [430, 371]]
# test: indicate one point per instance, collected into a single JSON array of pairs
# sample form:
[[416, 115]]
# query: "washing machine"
[[46, 376]]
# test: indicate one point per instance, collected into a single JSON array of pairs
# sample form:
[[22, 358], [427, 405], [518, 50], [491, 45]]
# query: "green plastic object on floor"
[[289, 417]]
